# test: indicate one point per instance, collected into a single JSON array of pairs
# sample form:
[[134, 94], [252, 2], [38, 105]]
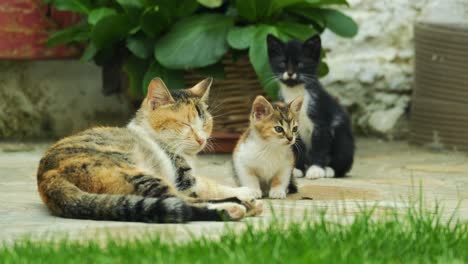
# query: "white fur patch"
[[148, 155], [315, 172], [297, 173]]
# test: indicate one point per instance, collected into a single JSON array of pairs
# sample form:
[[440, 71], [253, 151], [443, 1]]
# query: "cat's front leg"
[[279, 184], [318, 155]]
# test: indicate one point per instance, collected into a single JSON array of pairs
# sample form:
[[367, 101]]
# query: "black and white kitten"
[[327, 143]]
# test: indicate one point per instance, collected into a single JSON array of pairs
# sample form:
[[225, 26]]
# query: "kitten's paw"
[[329, 172], [315, 172], [297, 173], [231, 211], [277, 194], [254, 207]]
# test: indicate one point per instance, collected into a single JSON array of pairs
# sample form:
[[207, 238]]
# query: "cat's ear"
[[311, 47], [261, 108], [296, 104], [158, 94], [275, 46], [202, 89]]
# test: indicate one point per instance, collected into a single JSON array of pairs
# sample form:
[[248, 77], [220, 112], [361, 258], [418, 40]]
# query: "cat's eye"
[[294, 129], [300, 65], [282, 64], [199, 112], [279, 129]]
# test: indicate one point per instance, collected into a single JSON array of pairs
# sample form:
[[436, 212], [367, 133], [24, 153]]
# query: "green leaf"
[[140, 46], [135, 69], [133, 8], [211, 3], [312, 14], [194, 42], [258, 56], [340, 23], [174, 79], [74, 33], [241, 37], [323, 69], [110, 29], [78, 6], [296, 30], [247, 9], [154, 21], [98, 14], [89, 52], [327, 2], [216, 71]]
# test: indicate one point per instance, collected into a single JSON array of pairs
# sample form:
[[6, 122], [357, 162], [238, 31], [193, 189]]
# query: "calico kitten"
[[263, 158], [142, 172], [325, 129]]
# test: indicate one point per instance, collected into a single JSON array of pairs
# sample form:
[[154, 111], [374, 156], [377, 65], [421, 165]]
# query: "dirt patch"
[[317, 192]]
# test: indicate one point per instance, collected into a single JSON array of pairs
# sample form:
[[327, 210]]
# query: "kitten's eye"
[[279, 129], [294, 129], [300, 65], [282, 64]]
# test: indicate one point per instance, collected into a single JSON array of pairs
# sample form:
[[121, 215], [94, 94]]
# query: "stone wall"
[[372, 73], [43, 99]]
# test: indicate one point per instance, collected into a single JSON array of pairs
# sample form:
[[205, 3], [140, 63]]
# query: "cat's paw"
[[297, 173], [277, 194], [231, 211], [254, 207], [246, 193], [315, 172], [329, 172]]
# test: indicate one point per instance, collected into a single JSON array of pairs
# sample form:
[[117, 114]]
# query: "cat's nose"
[[201, 141]]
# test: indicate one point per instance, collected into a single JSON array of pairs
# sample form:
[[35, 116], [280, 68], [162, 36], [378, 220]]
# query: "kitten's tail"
[[66, 200]]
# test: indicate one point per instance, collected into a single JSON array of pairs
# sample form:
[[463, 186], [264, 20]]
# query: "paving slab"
[[386, 173]]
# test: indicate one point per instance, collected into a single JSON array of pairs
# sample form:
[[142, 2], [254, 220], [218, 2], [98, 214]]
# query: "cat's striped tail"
[[66, 200]]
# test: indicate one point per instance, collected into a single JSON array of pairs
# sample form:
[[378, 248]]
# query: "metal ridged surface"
[[440, 102]]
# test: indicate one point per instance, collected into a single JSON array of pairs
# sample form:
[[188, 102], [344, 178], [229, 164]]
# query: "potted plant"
[[181, 40]]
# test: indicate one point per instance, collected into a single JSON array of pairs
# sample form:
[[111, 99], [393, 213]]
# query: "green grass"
[[415, 236]]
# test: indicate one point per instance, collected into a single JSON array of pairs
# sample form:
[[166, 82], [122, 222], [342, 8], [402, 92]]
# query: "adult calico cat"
[[324, 126], [142, 172]]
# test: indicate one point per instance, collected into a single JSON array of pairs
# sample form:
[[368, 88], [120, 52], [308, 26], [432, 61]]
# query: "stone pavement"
[[385, 173]]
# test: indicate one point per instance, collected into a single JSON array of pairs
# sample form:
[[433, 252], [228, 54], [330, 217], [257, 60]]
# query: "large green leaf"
[[74, 33], [340, 23], [78, 6], [296, 30], [140, 46], [258, 56], [135, 69], [211, 3], [241, 37], [110, 29], [97, 14], [194, 42], [174, 79]]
